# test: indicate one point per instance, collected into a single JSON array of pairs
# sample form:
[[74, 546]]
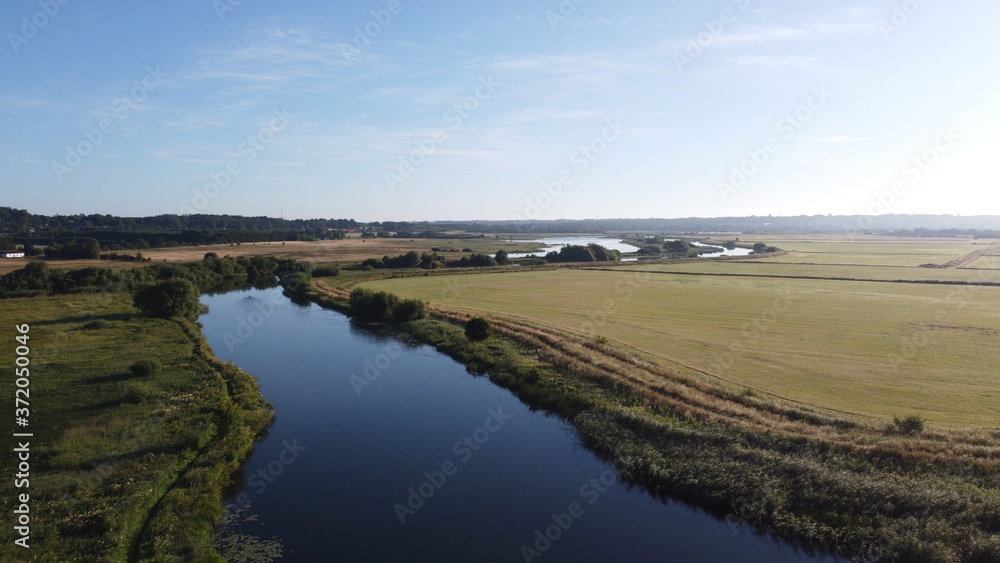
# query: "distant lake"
[[555, 243], [725, 252]]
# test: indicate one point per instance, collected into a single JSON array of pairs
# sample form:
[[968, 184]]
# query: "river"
[[385, 451]]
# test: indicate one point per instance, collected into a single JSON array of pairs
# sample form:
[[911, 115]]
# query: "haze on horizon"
[[406, 110]]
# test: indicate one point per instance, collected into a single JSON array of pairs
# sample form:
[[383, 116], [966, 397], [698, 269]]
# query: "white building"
[[11, 254]]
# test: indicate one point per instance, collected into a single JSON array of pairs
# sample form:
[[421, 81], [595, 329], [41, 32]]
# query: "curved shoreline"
[[809, 478]]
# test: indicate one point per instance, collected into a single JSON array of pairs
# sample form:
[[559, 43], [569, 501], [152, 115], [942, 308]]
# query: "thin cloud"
[[841, 139], [276, 57], [774, 61]]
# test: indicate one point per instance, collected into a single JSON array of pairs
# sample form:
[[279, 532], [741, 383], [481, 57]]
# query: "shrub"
[[409, 310], [297, 284], [477, 328], [139, 392], [912, 424], [176, 297], [326, 271], [144, 368]]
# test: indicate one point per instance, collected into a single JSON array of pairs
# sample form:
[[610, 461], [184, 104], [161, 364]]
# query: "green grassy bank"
[[125, 464]]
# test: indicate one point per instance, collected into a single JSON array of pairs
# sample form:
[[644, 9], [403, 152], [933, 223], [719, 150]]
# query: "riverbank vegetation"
[[211, 273], [137, 431], [139, 428]]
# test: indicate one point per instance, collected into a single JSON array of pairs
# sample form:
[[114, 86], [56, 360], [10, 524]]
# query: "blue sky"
[[414, 110]]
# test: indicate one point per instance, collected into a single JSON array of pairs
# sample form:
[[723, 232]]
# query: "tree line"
[[208, 275], [16, 221]]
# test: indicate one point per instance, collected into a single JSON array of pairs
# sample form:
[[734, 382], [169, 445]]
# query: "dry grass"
[[347, 250], [873, 349]]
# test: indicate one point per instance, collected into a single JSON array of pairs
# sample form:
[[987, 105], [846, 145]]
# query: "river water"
[[384, 451], [555, 243]]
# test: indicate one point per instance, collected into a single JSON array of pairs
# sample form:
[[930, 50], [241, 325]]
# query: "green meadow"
[[125, 464]]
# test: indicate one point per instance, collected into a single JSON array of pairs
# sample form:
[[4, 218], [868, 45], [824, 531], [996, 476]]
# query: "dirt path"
[[991, 250]]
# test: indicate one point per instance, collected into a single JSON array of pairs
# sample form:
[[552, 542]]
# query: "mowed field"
[[872, 349], [771, 267], [989, 262], [347, 250], [873, 251]]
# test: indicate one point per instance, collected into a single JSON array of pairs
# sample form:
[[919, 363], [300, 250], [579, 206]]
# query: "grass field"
[[872, 349], [769, 267], [347, 250], [989, 262], [873, 255], [123, 466]]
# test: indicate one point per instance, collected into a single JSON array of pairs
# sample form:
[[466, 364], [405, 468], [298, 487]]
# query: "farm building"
[[11, 254]]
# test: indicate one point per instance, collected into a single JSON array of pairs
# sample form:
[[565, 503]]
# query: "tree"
[[759, 247], [477, 328], [409, 260], [571, 253], [475, 260], [501, 258], [602, 254], [369, 305], [676, 246], [175, 297], [34, 276]]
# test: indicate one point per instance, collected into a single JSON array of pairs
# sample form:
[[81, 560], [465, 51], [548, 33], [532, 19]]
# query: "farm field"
[[870, 250], [867, 348], [347, 250], [986, 262], [770, 267]]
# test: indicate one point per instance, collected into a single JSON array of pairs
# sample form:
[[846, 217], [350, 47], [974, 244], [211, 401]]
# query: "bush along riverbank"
[[820, 481]]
